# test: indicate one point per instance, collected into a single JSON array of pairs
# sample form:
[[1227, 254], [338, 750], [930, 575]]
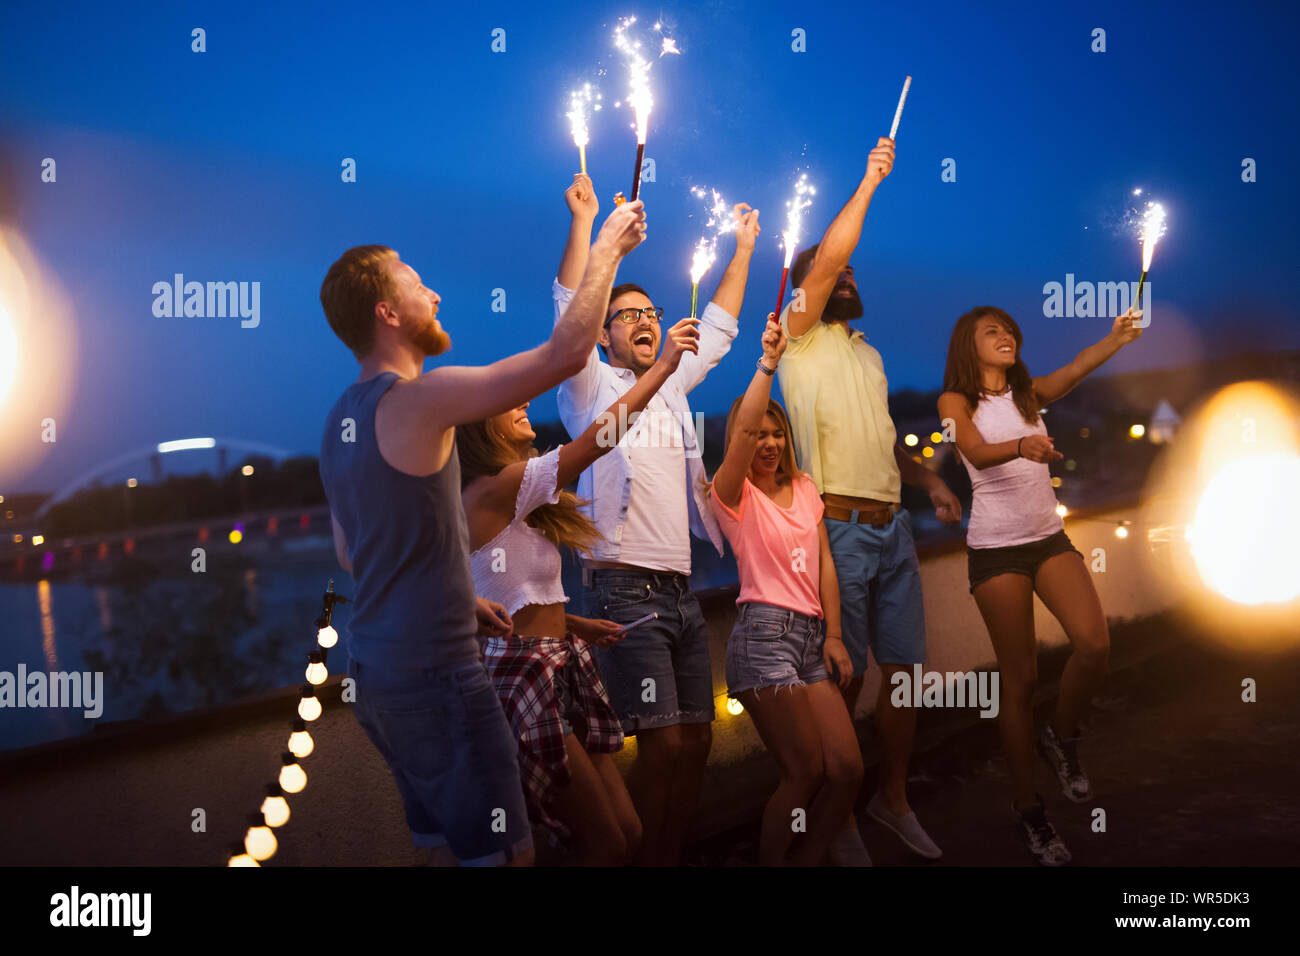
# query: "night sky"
[[225, 166]]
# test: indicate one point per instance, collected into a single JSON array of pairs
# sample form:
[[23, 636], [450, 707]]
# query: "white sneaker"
[[907, 827]]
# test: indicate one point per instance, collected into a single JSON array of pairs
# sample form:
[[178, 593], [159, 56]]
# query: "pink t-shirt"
[[777, 549]]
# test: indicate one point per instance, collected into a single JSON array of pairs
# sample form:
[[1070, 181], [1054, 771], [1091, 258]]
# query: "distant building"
[[1164, 422]]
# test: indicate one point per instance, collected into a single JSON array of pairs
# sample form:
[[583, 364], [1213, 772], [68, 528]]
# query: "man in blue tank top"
[[390, 472]]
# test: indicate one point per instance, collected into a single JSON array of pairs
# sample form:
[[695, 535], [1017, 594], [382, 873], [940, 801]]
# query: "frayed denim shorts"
[[774, 647]]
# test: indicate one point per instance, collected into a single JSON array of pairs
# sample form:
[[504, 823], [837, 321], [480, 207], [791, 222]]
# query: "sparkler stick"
[[582, 158], [793, 223], [1153, 228], [898, 113]]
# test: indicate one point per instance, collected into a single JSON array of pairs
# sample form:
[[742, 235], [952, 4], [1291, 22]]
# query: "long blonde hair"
[[786, 465], [484, 452]]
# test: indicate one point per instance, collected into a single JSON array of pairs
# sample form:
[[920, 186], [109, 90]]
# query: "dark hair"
[[802, 263], [962, 372], [622, 289]]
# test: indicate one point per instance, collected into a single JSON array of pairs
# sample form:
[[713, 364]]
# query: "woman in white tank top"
[[1017, 546], [518, 515]]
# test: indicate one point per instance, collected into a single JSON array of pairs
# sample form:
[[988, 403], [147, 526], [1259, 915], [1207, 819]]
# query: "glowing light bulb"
[[734, 706], [246, 470], [316, 672], [292, 777], [927, 452], [275, 809], [327, 636], [259, 841], [309, 706], [242, 859], [910, 441], [1121, 532], [1137, 431], [1062, 510], [935, 438], [300, 742]]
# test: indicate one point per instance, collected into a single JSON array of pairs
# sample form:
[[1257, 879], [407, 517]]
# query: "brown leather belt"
[[878, 517]]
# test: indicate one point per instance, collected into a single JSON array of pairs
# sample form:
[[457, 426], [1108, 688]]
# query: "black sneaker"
[[1063, 757], [1040, 836]]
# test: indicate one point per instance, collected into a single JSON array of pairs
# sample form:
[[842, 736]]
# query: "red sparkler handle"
[[780, 295]]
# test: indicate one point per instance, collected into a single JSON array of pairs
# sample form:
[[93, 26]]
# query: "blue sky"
[[225, 166]]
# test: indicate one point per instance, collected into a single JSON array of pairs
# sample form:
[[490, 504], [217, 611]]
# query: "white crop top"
[[519, 566]]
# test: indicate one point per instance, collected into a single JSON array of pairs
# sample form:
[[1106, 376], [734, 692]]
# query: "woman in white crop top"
[[519, 515], [1017, 546]]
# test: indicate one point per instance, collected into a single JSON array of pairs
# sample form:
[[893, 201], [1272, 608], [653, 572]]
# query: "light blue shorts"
[[880, 591]]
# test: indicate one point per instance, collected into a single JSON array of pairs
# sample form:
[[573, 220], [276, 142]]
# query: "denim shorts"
[[452, 754], [774, 647], [985, 563], [659, 674], [880, 591]]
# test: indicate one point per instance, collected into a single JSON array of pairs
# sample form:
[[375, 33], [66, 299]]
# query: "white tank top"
[[1013, 502], [520, 566]]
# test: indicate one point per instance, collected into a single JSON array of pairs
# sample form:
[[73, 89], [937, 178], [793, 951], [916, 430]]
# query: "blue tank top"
[[407, 540]]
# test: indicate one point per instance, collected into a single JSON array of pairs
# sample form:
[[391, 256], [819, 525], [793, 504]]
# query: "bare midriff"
[[539, 620]]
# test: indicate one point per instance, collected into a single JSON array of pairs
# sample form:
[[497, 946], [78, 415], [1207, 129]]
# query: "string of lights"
[[260, 843]]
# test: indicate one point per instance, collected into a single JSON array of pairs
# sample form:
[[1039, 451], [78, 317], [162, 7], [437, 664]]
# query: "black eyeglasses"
[[632, 316]]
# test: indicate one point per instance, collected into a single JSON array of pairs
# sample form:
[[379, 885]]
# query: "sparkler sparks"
[[718, 223], [582, 102], [802, 199], [639, 96], [1153, 230]]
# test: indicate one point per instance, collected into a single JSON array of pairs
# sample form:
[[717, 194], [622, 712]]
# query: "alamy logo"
[[1087, 300], [212, 300], [648, 430], [103, 909], [946, 689], [57, 689]]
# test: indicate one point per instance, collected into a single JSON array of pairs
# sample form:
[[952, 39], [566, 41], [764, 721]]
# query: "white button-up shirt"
[[607, 484]]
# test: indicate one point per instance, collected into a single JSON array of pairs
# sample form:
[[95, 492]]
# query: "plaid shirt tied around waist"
[[522, 670]]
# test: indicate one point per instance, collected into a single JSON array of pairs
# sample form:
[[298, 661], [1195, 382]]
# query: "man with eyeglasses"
[[646, 499]]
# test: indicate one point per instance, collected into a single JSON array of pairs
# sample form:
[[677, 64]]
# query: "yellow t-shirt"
[[837, 397]]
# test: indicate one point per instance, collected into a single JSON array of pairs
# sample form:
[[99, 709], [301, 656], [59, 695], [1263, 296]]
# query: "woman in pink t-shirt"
[[787, 633]]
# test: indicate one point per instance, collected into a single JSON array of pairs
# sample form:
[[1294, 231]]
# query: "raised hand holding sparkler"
[[581, 198]]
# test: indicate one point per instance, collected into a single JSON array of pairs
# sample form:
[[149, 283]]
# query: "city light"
[[38, 539], [1121, 532], [910, 441], [734, 707], [235, 536], [927, 452], [131, 482], [1137, 431], [186, 444], [246, 471], [935, 438]]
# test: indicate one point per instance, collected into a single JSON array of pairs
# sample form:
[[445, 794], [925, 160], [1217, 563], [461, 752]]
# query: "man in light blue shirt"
[[646, 499]]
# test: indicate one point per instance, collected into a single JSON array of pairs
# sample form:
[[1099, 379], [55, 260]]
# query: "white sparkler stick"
[[898, 113]]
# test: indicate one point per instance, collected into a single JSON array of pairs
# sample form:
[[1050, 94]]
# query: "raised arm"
[[612, 424], [982, 454], [1054, 386], [453, 396], [840, 240], [729, 481], [730, 294], [583, 206]]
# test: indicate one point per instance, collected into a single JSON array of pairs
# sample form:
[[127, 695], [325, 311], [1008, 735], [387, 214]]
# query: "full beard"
[[843, 307], [428, 338]]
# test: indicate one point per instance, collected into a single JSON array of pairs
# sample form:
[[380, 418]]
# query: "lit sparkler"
[[802, 199], [1153, 229], [706, 250], [639, 95], [582, 103]]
